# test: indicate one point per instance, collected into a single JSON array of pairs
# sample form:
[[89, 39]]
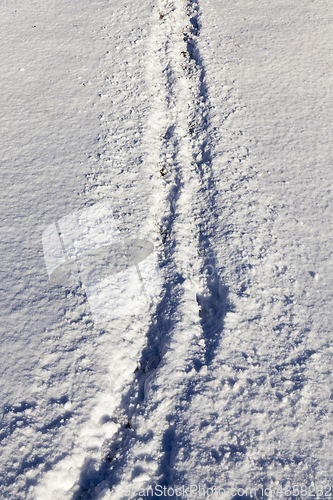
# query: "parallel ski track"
[[186, 327]]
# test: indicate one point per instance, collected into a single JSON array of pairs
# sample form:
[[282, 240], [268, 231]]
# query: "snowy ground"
[[206, 127]]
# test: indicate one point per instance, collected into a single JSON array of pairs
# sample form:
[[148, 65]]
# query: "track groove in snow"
[[188, 322]]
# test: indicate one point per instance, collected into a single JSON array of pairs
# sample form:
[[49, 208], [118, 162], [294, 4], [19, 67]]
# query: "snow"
[[202, 130]]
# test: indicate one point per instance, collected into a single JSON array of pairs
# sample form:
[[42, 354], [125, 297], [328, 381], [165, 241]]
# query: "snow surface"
[[206, 127]]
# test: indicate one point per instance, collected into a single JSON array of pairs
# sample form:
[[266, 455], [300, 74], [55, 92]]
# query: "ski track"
[[195, 300]]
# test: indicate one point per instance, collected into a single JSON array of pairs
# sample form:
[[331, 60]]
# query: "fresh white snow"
[[201, 129]]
